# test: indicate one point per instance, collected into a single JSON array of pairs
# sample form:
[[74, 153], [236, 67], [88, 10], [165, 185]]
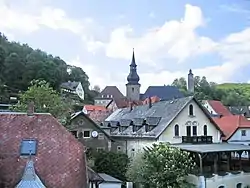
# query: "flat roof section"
[[212, 148]]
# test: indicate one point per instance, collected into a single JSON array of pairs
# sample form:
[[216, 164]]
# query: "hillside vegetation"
[[231, 94], [20, 64]]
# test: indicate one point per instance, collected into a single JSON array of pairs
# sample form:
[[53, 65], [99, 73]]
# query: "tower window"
[[133, 89], [191, 110]]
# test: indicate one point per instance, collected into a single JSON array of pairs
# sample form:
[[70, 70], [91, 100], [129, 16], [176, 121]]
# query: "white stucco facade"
[[110, 185], [228, 181], [241, 136], [198, 119]]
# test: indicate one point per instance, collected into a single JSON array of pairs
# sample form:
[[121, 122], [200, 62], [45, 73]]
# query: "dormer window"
[[191, 110]]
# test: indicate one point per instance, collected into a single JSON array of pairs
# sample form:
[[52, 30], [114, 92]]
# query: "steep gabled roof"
[[30, 179], [81, 113], [163, 92], [70, 85], [160, 115], [219, 108], [110, 90], [230, 124], [60, 158]]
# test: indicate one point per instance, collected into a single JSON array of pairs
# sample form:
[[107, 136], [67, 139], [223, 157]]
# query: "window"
[[28, 147], [119, 148], [243, 133], [86, 134], [188, 129], [133, 89], [191, 110], [205, 130], [80, 135], [194, 130], [176, 130], [101, 136], [239, 185]]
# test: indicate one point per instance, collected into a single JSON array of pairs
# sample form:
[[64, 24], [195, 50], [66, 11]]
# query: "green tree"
[[22, 64], [163, 166], [46, 100], [114, 164], [135, 172]]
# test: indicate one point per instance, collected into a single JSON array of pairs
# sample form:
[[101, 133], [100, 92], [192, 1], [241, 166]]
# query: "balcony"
[[197, 139]]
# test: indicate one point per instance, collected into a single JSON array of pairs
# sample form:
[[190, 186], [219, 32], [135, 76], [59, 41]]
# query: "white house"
[[216, 107], [236, 129], [186, 124], [73, 88], [176, 121]]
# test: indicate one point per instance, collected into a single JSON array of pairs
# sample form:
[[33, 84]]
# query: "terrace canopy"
[[217, 158]]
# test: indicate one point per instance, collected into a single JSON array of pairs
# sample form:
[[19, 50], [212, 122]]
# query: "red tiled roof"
[[229, 124], [154, 99], [60, 159], [95, 108], [219, 108]]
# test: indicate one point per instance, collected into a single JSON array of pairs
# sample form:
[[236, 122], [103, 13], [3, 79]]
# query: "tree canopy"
[[161, 166], [45, 98], [112, 163], [20, 64], [230, 94]]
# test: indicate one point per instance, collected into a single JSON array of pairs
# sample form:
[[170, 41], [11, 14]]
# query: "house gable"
[[88, 132], [241, 135], [199, 118]]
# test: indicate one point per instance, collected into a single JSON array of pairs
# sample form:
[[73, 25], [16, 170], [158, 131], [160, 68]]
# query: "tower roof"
[[133, 78], [190, 71], [30, 179]]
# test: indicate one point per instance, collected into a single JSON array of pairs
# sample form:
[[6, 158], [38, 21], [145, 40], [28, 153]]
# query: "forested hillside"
[[20, 64], [231, 94]]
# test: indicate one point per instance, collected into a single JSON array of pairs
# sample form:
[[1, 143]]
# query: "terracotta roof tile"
[[95, 108], [219, 108], [60, 159], [229, 124]]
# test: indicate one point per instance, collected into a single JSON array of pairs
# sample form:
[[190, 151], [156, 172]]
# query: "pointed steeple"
[[30, 178], [133, 78], [190, 72]]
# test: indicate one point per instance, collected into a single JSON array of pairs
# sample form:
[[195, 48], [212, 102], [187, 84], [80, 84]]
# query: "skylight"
[[28, 147]]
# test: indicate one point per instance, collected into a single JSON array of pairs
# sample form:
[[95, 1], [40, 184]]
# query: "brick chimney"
[[31, 109]]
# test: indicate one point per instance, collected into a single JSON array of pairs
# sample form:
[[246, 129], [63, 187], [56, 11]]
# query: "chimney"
[[149, 102], [31, 109]]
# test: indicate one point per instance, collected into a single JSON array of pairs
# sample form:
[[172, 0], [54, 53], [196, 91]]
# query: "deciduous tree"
[[162, 166], [45, 98]]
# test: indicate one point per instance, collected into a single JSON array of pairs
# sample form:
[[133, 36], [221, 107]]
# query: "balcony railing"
[[197, 139]]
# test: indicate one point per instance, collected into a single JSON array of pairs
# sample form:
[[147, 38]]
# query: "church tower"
[[133, 86], [190, 84]]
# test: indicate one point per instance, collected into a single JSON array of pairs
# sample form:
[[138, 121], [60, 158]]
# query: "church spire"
[[133, 78]]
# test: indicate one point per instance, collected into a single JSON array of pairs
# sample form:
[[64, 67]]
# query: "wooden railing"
[[197, 139]]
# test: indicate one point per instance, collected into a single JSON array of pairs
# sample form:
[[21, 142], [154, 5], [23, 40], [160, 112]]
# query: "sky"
[[169, 37]]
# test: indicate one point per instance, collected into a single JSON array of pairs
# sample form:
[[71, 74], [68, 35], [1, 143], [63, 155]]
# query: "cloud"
[[34, 15], [175, 39], [179, 40]]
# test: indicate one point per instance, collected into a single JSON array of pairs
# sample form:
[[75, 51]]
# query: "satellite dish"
[[94, 134]]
